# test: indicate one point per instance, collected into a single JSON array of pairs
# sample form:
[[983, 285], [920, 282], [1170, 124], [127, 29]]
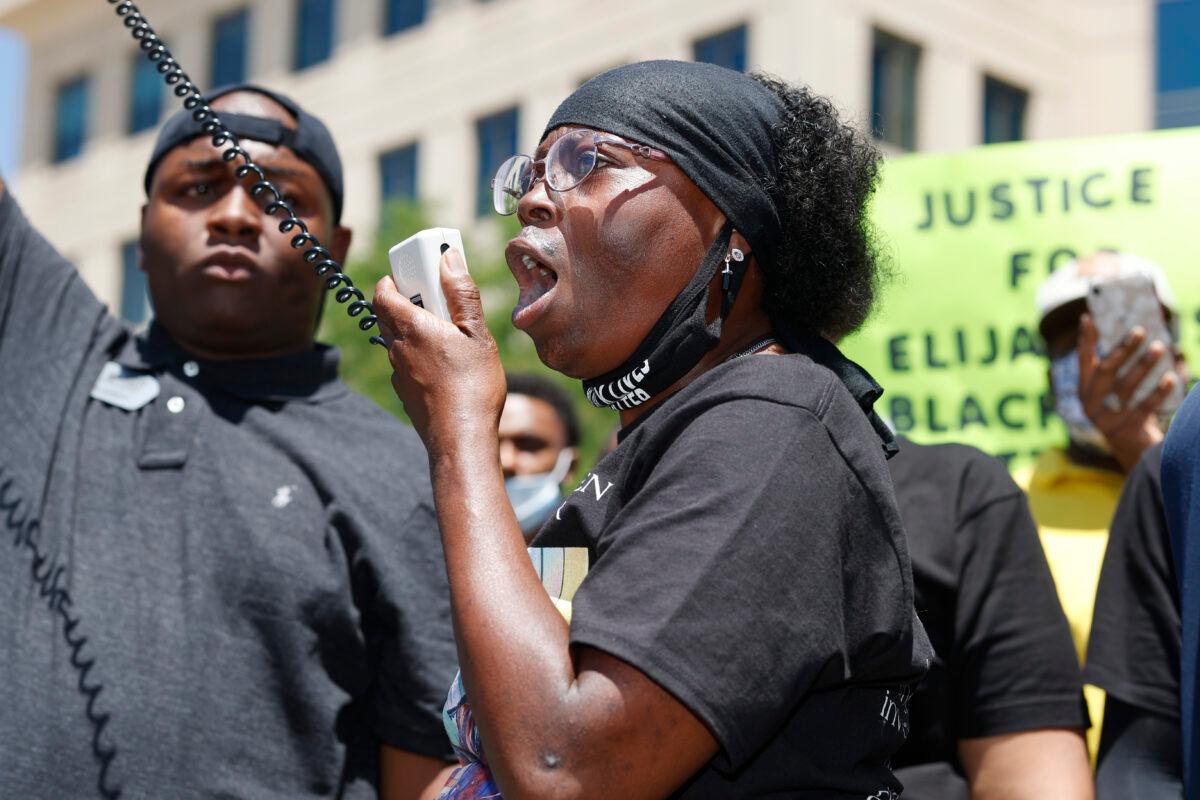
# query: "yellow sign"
[[971, 235]]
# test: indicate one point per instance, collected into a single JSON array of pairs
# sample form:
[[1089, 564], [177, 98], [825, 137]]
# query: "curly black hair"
[[827, 269]]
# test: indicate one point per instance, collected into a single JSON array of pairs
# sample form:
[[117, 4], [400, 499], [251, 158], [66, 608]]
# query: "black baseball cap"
[[310, 140]]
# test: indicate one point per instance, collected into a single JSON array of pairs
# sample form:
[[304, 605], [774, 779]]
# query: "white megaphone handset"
[[415, 267]]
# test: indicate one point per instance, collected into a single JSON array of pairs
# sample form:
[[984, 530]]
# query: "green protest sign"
[[972, 234]]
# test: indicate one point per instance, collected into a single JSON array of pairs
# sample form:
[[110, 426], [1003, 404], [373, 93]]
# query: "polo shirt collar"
[[311, 376]]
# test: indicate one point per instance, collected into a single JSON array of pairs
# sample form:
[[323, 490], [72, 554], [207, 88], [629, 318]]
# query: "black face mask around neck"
[[678, 340]]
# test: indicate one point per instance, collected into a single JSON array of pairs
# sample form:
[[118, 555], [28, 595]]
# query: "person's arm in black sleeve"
[[47, 314], [406, 618], [1134, 646], [407, 623], [1018, 695]]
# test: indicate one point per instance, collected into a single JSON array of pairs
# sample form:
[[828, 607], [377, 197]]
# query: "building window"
[[497, 141], [145, 94], [314, 32], [725, 49], [230, 38], [135, 308], [1003, 112], [1177, 100], [400, 15], [894, 90], [398, 174], [70, 118]]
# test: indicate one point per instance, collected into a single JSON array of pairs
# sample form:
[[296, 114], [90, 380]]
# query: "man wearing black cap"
[[223, 575]]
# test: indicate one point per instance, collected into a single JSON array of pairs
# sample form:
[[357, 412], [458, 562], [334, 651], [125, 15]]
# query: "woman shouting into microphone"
[[693, 239]]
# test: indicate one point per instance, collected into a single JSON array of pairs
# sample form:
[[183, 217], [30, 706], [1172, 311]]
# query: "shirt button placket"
[[170, 427]]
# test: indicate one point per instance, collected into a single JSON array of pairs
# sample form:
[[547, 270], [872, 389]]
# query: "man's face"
[[609, 256], [225, 282], [531, 436]]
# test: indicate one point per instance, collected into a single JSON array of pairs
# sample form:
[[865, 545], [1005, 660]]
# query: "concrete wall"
[[1086, 63]]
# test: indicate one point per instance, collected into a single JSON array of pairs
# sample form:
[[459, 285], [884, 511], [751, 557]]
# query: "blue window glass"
[[1003, 112], [398, 173], [135, 308], [230, 39], [725, 49], [497, 136], [71, 118], [145, 94], [894, 90], [403, 14], [1177, 103], [314, 32]]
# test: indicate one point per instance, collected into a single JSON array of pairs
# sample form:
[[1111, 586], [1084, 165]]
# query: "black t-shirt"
[[1134, 647], [1004, 661], [747, 555], [232, 588]]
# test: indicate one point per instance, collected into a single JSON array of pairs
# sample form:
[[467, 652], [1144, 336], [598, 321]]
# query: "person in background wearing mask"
[[1073, 490], [539, 451], [539, 447]]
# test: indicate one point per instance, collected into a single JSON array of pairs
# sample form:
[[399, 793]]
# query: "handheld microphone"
[[415, 267]]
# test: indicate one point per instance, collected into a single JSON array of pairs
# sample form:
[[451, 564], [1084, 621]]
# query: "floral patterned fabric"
[[472, 779]]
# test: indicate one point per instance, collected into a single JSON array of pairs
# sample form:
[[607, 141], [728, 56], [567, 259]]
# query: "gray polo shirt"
[[219, 579]]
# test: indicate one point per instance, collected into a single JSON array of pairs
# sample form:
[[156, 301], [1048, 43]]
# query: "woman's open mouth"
[[535, 281]]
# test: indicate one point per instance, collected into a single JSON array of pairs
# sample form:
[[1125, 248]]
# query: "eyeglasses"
[[568, 163]]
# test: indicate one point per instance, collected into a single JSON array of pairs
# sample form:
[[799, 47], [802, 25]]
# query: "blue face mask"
[[1064, 379], [534, 497]]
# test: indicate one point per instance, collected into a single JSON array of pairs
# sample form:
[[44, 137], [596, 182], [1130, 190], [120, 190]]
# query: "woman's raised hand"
[[447, 374]]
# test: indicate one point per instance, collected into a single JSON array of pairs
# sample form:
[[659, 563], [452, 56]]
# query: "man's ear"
[[341, 244]]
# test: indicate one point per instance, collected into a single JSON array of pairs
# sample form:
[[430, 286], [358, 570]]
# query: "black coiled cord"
[[321, 259]]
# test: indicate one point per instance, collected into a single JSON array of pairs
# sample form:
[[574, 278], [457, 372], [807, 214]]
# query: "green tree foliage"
[[365, 367]]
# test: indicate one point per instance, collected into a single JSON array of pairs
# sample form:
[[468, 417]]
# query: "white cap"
[[1071, 281]]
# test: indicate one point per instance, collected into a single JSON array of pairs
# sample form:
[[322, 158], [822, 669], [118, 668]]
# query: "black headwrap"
[[717, 126], [309, 139], [714, 123]]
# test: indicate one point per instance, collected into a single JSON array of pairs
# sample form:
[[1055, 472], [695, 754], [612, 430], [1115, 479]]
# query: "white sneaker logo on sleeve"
[[283, 496]]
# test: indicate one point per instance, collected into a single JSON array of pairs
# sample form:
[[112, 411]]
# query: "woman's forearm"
[[512, 641]]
